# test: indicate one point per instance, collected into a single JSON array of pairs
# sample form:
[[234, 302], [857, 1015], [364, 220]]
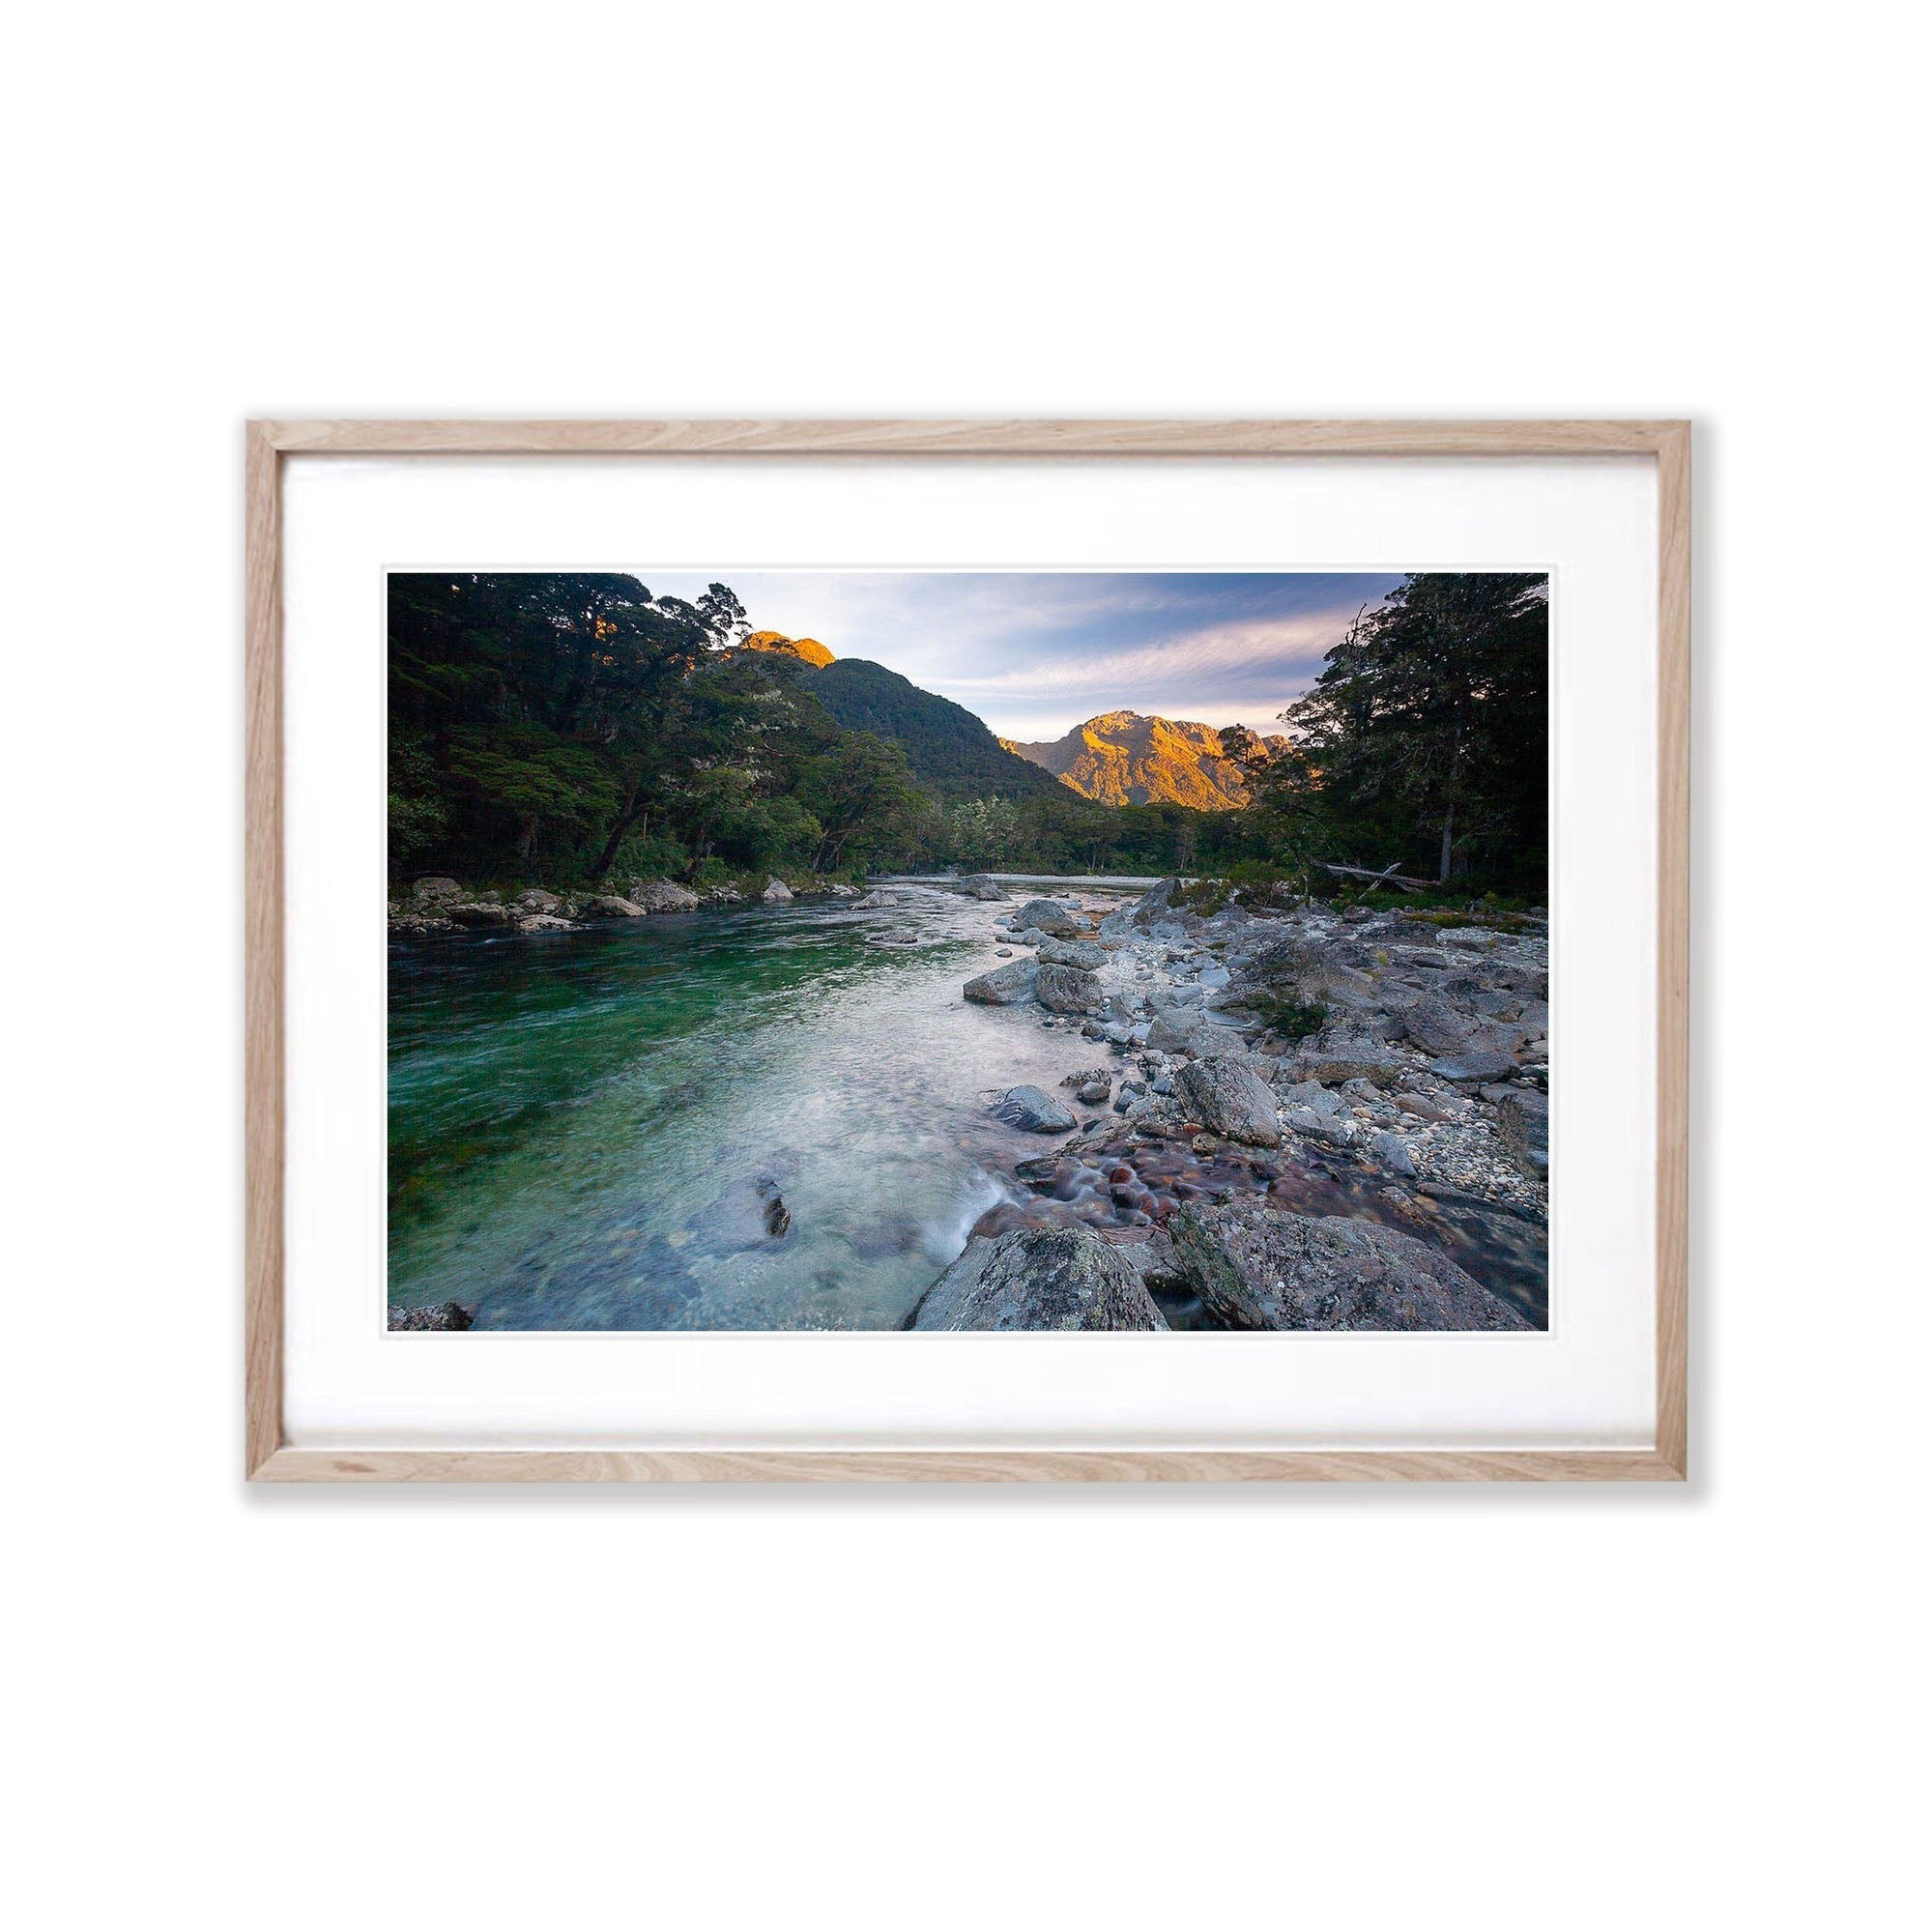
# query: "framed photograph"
[[968, 951]]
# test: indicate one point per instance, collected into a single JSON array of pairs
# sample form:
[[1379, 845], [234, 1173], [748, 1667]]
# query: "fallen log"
[[1388, 877]]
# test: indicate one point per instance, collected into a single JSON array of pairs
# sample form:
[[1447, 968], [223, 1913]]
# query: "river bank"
[[813, 1115]]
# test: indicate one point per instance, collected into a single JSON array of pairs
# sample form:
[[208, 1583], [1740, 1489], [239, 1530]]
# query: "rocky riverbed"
[[1324, 1117], [1343, 1109]]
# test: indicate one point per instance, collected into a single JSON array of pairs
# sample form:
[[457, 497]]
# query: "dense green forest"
[[561, 729]]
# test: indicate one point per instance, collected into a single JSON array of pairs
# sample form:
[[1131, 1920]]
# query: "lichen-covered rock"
[[1066, 989], [1227, 1096], [1333, 1057], [776, 892], [1477, 1064], [1047, 915], [663, 895], [1071, 952], [1257, 1266], [448, 1317], [1038, 1277], [1034, 1112], [1004, 986], [1437, 1028]]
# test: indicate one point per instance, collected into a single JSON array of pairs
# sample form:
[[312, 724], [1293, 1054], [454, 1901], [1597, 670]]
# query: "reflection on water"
[[586, 1129]]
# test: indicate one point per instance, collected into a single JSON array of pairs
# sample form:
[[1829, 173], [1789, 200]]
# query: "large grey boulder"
[[1071, 952], [776, 892], [478, 914], [536, 899], [1047, 915], [1038, 1277], [875, 901], [608, 906], [1035, 1111], [1479, 1063], [542, 922], [1333, 1057], [1225, 1094], [1066, 989], [1004, 986], [1437, 1028], [1153, 907], [663, 895], [978, 885], [1257, 1266], [427, 893]]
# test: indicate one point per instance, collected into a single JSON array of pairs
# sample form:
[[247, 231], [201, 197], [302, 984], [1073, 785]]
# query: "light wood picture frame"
[[270, 1457]]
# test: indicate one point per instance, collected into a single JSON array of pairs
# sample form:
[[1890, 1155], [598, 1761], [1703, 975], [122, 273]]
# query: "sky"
[[1036, 653]]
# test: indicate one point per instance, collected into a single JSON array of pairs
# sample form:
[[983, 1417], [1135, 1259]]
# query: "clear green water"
[[584, 1127]]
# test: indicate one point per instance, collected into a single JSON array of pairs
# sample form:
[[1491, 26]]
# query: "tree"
[[1431, 718]]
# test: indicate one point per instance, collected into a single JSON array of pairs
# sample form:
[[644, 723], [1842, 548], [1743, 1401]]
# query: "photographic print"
[[931, 951]]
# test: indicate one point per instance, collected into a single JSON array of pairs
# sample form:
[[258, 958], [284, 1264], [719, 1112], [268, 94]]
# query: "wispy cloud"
[[1035, 654]]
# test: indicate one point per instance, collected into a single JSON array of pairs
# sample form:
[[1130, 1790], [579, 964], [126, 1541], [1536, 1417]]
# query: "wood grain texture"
[[1673, 947], [270, 1460], [263, 970], [1018, 1466], [938, 438]]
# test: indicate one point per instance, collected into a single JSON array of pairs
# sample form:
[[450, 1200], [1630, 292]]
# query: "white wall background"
[[1219, 1710]]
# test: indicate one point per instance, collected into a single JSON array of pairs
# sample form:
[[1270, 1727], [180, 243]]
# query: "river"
[[586, 1129]]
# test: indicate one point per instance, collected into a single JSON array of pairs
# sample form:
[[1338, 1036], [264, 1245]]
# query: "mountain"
[[808, 648], [1122, 759], [949, 751]]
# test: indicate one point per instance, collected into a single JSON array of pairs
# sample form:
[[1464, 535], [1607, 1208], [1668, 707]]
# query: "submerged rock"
[[1066, 989], [1035, 1111], [1257, 1266], [1038, 1277], [1004, 986], [1227, 1097]]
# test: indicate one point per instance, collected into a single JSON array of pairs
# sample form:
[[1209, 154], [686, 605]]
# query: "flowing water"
[[587, 1130]]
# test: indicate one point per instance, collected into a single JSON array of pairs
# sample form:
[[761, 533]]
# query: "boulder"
[[1071, 952], [426, 893], [875, 901], [661, 895], [1038, 1277], [1390, 1155], [1153, 906], [1225, 1094], [1047, 915], [978, 885], [542, 922], [1004, 986], [477, 913], [1479, 1063], [1066, 989], [608, 906], [537, 900], [1437, 1028], [1333, 1057], [448, 1317], [1208, 1039], [1257, 1266], [1034, 1112], [776, 892]]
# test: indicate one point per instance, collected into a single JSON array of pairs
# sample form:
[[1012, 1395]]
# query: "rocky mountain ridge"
[[1124, 757]]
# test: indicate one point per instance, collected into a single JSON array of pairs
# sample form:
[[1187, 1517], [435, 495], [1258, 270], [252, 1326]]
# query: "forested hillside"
[[559, 729]]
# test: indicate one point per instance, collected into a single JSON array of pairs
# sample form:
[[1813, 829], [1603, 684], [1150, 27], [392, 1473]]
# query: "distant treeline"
[[560, 728]]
